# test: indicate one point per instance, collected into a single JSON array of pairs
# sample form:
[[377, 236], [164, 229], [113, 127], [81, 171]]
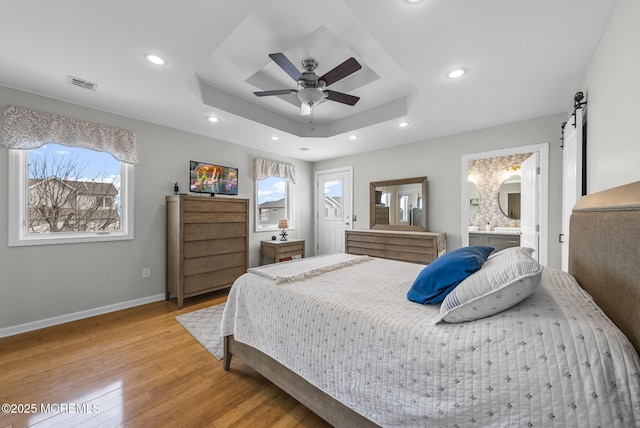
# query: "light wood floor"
[[139, 368]]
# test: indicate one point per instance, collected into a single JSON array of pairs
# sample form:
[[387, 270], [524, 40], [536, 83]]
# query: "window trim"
[[18, 200], [288, 207]]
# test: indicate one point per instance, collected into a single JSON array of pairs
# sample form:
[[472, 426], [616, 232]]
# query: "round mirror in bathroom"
[[509, 197]]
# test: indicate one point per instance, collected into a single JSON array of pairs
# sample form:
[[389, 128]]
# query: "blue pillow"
[[442, 275]]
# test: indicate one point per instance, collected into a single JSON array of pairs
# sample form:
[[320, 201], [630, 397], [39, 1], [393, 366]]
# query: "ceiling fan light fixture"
[[311, 87], [310, 96]]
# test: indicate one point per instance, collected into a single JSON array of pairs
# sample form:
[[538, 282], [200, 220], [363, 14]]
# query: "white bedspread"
[[553, 360], [305, 268]]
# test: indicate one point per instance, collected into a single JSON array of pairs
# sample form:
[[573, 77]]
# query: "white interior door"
[[571, 178], [333, 209], [529, 195]]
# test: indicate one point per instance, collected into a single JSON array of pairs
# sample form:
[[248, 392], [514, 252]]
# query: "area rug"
[[204, 325]]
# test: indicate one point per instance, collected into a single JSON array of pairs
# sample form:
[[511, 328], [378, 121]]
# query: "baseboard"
[[49, 322]]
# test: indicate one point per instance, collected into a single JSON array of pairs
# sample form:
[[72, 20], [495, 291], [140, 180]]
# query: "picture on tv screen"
[[213, 179]]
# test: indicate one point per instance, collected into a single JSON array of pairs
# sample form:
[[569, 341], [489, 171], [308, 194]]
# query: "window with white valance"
[[69, 180], [263, 168], [26, 129], [274, 193]]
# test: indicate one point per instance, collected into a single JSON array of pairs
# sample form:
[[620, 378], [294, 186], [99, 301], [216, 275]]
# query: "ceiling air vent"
[[83, 83]]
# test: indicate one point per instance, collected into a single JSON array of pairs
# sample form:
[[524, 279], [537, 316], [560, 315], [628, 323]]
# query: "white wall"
[[41, 282], [612, 88], [440, 159]]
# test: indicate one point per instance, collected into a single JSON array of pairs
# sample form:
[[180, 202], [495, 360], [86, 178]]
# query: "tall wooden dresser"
[[207, 244]]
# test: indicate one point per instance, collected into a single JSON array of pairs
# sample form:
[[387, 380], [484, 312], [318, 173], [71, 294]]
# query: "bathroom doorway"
[[486, 195]]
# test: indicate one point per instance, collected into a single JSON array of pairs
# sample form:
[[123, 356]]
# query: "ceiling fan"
[[311, 88]]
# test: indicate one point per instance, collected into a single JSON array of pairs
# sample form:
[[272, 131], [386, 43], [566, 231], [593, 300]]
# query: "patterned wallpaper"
[[488, 174]]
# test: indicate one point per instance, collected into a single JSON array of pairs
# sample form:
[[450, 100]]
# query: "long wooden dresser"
[[415, 247], [207, 244]]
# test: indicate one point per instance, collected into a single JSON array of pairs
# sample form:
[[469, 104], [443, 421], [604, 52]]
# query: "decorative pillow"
[[503, 281], [441, 276]]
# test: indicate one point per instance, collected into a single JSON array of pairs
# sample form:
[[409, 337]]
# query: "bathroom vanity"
[[496, 239]]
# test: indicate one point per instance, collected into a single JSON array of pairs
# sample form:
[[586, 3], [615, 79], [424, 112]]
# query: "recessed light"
[[454, 74], [353, 137], [304, 149], [275, 137], [413, 1], [213, 119], [155, 59], [403, 124]]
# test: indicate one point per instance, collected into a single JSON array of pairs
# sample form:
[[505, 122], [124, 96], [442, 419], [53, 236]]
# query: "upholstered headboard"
[[604, 254]]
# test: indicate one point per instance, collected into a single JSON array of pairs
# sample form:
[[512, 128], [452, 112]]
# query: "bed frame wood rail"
[[319, 402]]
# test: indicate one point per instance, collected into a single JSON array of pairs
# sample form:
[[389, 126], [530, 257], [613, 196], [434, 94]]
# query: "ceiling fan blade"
[[341, 97], [276, 92], [340, 72], [286, 65]]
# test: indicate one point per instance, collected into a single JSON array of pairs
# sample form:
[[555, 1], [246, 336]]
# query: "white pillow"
[[504, 280], [526, 250]]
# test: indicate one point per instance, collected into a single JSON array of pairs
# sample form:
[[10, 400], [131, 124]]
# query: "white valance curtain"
[[263, 168], [28, 129]]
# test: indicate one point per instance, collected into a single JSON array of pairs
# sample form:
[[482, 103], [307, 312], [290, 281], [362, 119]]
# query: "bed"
[[339, 334]]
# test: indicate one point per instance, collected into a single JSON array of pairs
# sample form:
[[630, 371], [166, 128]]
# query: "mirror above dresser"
[[399, 204]]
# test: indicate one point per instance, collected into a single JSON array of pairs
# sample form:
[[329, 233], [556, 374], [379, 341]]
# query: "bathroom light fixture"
[[155, 59], [457, 73]]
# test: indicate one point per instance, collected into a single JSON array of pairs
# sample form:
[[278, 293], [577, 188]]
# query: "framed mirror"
[[398, 204], [509, 197]]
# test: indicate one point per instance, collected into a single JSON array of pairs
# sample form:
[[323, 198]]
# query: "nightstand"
[[281, 249]]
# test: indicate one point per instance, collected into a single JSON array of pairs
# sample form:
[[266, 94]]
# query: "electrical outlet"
[[146, 273]]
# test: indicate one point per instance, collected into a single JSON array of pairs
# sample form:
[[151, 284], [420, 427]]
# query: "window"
[[274, 190], [273, 198], [333, 197], [62, 194]]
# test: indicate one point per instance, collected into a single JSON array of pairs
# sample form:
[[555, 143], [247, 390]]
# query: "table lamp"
[[283, 224]]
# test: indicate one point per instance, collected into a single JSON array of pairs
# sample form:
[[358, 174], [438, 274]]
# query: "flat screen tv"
[[212, 179]]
